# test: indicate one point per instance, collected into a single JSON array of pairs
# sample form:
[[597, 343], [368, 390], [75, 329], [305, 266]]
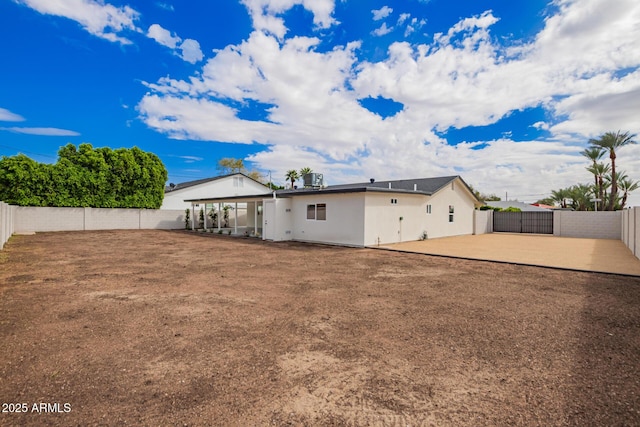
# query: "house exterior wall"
[[382, 222], [219, 187], [631, 229], [593, 225], [438, 224], [343, 224], [277, 220]]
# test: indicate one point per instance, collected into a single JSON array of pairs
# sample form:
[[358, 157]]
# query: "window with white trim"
[[451, 212], [394, 201], [429, 209], [317, 212]]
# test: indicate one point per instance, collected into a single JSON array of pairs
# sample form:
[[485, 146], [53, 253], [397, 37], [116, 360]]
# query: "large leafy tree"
[[612, 141], [85, 177]]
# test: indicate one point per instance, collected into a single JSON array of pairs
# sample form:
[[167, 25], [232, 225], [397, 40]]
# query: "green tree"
[[627, 186], [85, 177], [581, 195], [292, 175], [594, 154], [229, 165], [599, 171], [560, 196], [611, 142]]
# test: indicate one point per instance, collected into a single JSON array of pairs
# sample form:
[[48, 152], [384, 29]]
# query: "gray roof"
[[425, 186]]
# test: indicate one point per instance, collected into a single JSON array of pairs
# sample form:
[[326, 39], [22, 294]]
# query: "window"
[[451, 211], [428, 209], [394, 201], [321, 211], [238, 181], [317, 212]]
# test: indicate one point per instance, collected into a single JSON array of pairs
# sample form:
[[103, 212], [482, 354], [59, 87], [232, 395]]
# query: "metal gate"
[[523, 222]]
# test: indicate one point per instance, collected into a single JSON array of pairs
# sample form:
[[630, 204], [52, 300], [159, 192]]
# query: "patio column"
[[205, 217], [235, 214], [219, 213], [255, 218], [193, 216]]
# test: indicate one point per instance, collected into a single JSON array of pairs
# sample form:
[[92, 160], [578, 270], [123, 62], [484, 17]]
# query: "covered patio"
[[240, 215]]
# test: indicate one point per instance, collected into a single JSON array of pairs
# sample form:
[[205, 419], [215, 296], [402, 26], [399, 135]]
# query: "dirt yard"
[[168, 328]]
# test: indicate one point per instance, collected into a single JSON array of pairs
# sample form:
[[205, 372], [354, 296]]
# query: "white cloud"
[[382, 30], [41, 131], [100, 19], [381, 13], [188, 50], [191, 51], [575, 69], [265, 13], [163, 37], [8, 116]]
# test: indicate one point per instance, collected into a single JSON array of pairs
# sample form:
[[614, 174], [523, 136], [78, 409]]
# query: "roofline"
[[207, 180], [285, 194]]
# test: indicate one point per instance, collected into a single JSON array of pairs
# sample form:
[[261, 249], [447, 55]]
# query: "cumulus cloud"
[[189, 49], [382, 30], [381, 13], [581, 68], [163, 37], [96, 17], [8, 116], [266, 13], [41, 131]]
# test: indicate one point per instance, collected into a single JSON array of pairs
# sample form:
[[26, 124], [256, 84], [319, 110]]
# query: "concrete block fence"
[[6, 223], [25, 219]]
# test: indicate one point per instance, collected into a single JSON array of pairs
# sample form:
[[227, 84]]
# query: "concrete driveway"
[[598, 255]]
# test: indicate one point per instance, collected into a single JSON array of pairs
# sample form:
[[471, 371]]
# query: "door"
[[269, 220]]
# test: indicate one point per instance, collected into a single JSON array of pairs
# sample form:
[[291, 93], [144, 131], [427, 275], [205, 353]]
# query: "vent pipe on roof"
[[372, 180]]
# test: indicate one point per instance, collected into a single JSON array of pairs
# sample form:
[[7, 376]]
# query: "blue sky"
[[504, 93]]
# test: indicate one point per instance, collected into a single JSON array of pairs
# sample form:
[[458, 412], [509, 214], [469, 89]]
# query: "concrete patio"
[[597, 255]]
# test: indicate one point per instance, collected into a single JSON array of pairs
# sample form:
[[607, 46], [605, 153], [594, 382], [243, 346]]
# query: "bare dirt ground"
[[168, 328]]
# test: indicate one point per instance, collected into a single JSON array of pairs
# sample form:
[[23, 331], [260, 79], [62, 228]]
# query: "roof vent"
[[172, 185], [372, 180]]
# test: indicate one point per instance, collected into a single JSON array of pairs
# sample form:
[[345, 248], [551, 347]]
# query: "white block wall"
[[592, 225], [39, 219], [631, 229], [483, 222], [6, 223]]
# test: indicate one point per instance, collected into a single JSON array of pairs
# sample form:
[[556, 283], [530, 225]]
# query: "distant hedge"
[[85, 177]]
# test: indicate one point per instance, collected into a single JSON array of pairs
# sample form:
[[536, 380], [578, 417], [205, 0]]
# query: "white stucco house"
[[362, 214], [236, 184]]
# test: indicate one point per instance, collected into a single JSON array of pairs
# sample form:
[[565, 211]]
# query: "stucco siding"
[[382, 217], [438, 224], [343, 224]]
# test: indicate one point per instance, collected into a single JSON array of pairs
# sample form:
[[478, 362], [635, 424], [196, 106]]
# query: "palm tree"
[[627, 186], [305, 171], [292, 175], [599, 170], [580, 195], [560, 196], [594, 154], [611, 142]]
